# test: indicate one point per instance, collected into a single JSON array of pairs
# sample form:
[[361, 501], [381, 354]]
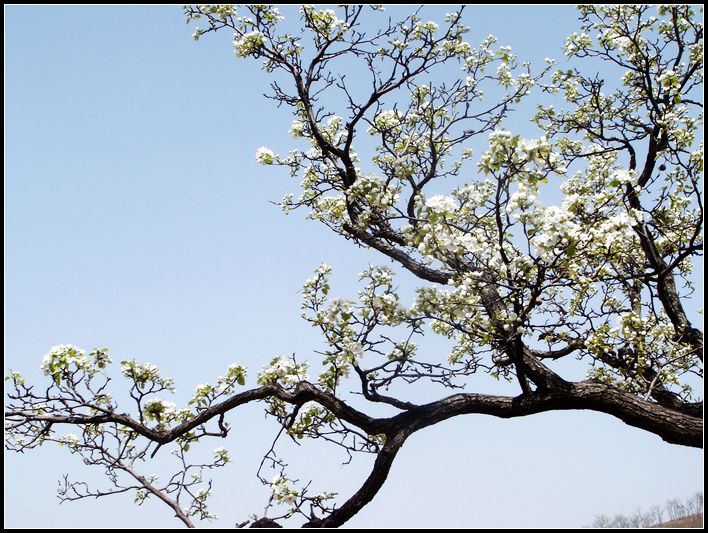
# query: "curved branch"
[[420, 270], [179, 513], [303, 392], [672, 426], [376, 479]]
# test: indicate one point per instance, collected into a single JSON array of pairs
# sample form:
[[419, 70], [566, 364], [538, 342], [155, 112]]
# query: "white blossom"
[[441, 203], [265, 156], [248, 43]]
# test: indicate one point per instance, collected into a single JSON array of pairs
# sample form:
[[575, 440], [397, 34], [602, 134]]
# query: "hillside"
[[695, 520]]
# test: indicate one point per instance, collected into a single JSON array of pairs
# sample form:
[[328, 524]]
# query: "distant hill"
[[686, 513], [695, 520]]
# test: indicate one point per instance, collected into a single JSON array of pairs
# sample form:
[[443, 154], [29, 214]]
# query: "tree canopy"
[[578, 244]]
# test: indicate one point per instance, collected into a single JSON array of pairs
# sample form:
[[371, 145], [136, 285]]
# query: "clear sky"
[[137, 218]]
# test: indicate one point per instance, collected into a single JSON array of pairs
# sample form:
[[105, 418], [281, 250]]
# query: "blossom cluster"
[[283, 370], [64, 360]]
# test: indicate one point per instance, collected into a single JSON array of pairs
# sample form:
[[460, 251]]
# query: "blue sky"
[[137, 218]]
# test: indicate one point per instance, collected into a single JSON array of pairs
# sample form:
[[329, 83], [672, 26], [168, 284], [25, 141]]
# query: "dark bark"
[[265, 523], [379, 473], [673, 426]]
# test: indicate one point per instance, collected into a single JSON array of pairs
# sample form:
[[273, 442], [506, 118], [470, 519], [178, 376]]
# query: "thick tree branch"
[[376, 479], [303, 392]]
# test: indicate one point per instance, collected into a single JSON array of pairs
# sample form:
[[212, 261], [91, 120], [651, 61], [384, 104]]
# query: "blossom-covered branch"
[[578, 243]]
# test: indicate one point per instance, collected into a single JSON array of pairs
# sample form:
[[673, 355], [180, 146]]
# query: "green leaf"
[[241, 380], [571, 250]]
